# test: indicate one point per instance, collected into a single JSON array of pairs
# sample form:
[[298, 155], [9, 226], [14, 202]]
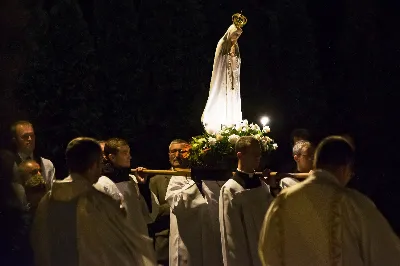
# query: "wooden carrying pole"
[[187, 172]]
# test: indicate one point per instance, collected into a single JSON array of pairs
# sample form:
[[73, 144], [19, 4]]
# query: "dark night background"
[[141, 70]]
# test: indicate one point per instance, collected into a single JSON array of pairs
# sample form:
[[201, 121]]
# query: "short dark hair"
[[302, 133], [333, 152], [112, 145], [244, 143], [81, 154], [13, 128]]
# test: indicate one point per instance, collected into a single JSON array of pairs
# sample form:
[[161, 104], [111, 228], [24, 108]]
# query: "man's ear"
[[111, 157], [296, 158]]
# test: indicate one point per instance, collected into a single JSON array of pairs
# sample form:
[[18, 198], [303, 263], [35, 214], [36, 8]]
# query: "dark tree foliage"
[[13, 50], [57, 89]]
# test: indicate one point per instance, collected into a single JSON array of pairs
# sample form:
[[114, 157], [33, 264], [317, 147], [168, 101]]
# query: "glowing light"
[[264, 120]]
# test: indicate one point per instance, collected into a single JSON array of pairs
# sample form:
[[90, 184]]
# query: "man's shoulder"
[[231, 186], [358, 199], [101, 201]]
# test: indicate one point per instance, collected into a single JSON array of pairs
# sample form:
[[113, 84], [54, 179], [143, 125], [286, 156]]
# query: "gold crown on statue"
[[239, 20]]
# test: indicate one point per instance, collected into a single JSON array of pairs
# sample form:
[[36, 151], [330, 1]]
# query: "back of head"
[[243, 144], [82, 153], [334, 152], [112, 145]]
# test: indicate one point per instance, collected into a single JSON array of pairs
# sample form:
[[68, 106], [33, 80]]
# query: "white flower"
[[244, 129], [202, 140], [233, 138], [257, 137], [266, 129], [219, 137], [245, 122], [238, 127], [275, 146], [212, 141]]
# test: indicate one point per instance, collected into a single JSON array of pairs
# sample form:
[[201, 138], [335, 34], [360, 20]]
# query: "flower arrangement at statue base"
[[217, 150]]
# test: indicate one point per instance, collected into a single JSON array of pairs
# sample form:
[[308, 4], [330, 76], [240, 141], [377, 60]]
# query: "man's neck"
[[81, 177], [24, 155], [244, 169], [298, 170]]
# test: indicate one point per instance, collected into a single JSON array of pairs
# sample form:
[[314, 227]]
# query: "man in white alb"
[[194, 232], [243, 203]]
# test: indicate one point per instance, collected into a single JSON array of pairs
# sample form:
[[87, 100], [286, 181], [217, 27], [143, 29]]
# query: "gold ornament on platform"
[[239, 20]]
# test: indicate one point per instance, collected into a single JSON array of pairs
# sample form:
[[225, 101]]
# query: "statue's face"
[[236, 34]]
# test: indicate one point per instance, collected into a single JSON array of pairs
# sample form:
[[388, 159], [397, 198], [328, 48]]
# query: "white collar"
[[249, 174]]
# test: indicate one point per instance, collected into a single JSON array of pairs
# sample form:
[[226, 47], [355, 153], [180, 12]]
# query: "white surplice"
[[194, 235], [288, 182], [136, 204], [77, 225], [241, 213], [319, 222]]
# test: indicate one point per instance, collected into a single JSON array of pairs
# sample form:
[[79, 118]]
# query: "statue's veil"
[[214, 114]]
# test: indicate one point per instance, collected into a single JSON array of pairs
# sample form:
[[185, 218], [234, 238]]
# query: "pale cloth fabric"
[[194, 238], [287, 182], [48, 172], [224, 103], [319, 222], [104, 235], [241, 213], [137, 205]]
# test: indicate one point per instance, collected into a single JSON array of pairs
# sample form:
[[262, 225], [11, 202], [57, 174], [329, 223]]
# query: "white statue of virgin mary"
[[224, 106]]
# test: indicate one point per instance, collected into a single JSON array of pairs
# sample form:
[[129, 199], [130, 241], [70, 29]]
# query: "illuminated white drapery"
[[224, 105]]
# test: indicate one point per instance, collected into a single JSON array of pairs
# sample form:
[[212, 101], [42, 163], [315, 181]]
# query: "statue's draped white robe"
[[319, 222], [194, 232], [241, 213], [77, 225], [224, 103]]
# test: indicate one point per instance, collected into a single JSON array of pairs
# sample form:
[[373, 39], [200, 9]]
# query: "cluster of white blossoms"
[[223, 141], [234, 132]]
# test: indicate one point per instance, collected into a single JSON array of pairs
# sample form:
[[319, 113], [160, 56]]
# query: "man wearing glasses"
[[158, 185], [303, 155], [194, 230]]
